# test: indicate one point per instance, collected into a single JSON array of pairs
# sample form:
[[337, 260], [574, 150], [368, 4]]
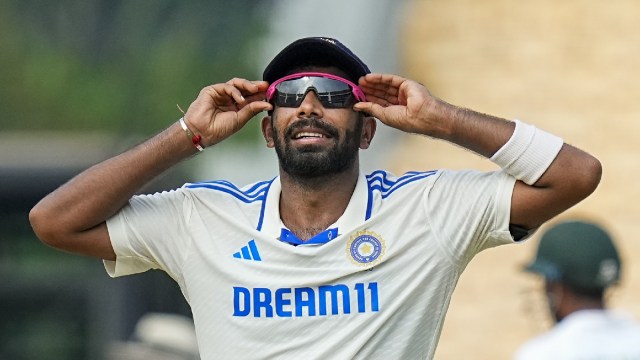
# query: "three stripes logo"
[[248, 252]]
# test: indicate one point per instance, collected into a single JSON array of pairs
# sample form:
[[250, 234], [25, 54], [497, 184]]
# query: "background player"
[[579, 262]]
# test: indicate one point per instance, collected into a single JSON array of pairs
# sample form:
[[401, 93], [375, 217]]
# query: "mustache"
[[312, 122]]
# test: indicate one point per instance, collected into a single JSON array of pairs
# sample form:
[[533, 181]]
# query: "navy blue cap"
[[315, 51]]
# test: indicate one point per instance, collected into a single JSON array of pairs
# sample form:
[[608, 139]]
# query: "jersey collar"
[[353, 215]]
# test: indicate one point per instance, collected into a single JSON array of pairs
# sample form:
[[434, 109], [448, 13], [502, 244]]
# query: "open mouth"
[[311, 131], [309, 135]]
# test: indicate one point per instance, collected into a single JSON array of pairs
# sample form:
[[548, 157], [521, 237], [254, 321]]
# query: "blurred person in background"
[[158, 336], [322, 261], [579, 263]]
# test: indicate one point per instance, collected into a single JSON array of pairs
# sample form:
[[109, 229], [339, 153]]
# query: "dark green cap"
[[579, 254]]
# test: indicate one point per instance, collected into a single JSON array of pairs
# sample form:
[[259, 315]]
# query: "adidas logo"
[[248, 252]]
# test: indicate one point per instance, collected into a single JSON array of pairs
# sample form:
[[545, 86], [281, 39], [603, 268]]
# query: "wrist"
[[528, 153], [194, 138], [443, 118]]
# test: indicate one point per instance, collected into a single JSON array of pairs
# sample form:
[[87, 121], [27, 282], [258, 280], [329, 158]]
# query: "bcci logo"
[[365, 248]]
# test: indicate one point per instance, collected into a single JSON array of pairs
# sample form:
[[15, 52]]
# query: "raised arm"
[[72, 218], [564, 181]]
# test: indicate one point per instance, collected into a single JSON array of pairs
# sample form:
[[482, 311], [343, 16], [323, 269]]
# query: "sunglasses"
[[332, 91]]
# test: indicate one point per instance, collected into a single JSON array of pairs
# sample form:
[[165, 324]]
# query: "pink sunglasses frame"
[[357, 92]]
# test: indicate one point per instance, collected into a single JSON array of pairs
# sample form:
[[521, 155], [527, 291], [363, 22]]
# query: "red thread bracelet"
[[195, 139]]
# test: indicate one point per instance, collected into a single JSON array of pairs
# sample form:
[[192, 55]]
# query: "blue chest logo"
[[365, 248]]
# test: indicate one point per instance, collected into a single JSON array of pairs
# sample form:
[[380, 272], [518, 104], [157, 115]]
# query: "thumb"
[[252, 109], [372, 109]]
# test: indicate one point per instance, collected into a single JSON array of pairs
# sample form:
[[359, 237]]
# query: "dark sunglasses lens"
[[337, 99], [288, 100], [332, 93]]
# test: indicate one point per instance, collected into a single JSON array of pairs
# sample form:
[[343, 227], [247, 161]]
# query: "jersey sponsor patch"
[[365, 248], [324, 300]]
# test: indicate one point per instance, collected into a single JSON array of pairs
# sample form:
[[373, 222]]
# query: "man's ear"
[[368, 131], [267, 131]]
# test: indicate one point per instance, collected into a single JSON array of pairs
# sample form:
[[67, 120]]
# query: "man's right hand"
[[73, 217], [220, 110]]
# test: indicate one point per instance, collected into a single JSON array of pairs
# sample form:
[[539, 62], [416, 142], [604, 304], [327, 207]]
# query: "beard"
[[313, 161]]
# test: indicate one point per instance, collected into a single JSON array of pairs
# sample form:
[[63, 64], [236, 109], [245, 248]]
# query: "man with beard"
[[322, 261]]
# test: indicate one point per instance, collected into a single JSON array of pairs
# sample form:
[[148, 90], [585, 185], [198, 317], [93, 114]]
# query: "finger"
[[381, 81], [380, 91], [247, 87], [231, 92], [381, 88], [382, 97], [222, 94], [250, 100], [262, 85], [234, 92], [371, 108], [259, 96], [252, 109]]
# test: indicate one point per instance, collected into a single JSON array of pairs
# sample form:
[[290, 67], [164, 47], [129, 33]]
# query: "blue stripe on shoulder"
[[256, 192], [379, 181], [264, 204]]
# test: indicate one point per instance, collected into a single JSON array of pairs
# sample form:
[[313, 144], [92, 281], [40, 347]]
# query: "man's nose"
[[311, 105]]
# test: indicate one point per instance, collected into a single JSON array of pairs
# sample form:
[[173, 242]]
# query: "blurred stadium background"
[[83, 80]]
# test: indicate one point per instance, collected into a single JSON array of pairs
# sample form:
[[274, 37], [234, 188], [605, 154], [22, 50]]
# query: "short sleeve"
[[470, 211], [150, 232]]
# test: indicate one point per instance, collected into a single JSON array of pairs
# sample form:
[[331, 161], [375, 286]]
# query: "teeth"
[[309, 134]]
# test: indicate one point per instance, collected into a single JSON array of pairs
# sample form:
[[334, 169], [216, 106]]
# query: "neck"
[[584, 304], [571, 302], [308, 206]]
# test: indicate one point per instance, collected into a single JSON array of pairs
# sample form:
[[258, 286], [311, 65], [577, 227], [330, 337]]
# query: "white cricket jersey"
[[377, 285], [587, 335]]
